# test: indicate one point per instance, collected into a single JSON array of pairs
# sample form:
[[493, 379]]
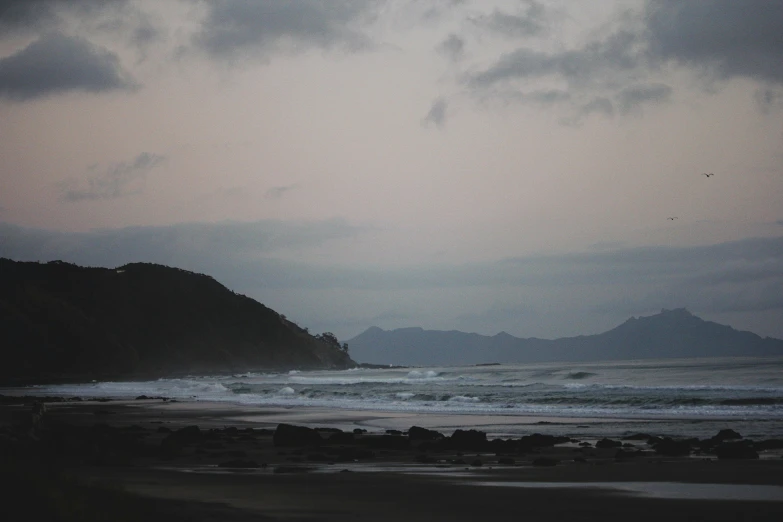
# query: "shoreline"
[[233, 468]]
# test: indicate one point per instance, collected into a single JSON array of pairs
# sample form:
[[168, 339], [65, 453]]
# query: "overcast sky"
[[483, 166]]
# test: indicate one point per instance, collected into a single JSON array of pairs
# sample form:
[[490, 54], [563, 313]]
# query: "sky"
[[528, 166]]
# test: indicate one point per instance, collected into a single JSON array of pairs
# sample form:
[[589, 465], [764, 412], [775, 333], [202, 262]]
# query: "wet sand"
[[118, 444]]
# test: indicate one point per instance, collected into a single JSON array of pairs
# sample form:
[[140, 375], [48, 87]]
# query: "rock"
[[288, 435], [173, 444], [727, 434], [608, 443], [537, 440], [736, 450], [673, 448], [189, 434], [359, 431], [468, 439], [415, 433], [392, 442], [341, 437]]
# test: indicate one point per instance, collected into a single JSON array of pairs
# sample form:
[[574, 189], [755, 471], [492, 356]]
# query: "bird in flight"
[[672, 218], [708, 174]]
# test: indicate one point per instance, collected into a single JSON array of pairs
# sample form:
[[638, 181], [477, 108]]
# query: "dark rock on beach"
[[415, 433], [672, 448], [608, 443], [468, 440], [288, 435]]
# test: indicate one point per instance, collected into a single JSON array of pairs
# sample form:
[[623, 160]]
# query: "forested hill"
[[60, 321], [669, 334]]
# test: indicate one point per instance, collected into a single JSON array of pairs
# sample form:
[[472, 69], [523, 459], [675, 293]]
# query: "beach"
[[236, 466]]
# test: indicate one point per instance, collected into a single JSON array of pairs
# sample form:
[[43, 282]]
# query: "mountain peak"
[[677, 312]]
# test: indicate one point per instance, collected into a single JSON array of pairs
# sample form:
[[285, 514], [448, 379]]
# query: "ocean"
[[675, 397]]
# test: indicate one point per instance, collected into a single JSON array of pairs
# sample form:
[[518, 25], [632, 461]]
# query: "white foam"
[[416, 374], [464, 398], [286, 391]]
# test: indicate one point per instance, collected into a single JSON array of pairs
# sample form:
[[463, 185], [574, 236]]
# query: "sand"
[[392, 484]]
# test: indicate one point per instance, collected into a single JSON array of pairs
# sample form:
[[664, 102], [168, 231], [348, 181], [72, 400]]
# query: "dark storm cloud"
[[57, 63], [116, 181], [453, 47], [241, 27], [724, 38], [437, 113], [37, 15], [717, 39], [531, 22], [636, 95]]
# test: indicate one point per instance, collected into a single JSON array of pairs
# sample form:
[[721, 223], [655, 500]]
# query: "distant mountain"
[[61, 321], [669, 334]]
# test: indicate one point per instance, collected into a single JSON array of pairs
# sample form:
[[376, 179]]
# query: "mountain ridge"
[[60, 321], [673, 333]]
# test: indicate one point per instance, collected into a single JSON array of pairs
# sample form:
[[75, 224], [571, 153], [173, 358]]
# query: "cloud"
[[598, 61], [437, 113], [453, 47], [238, 28], [529, 23], [768, 99], [718, 40], [19, 16], [635, 96], [279, 192], [547, 295], [57, 63], [116, 181], [599, 105], [723, 38], [207, 247]]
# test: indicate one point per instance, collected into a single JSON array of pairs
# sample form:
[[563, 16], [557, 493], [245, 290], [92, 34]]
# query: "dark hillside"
[[62, 321]]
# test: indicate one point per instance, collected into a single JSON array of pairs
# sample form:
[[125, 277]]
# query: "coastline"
[[373, 480]]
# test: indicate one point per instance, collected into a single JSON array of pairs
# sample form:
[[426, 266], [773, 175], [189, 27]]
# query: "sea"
[[674, 397]]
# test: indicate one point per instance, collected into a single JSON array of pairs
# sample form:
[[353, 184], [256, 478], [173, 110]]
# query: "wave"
[[579, 375]]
